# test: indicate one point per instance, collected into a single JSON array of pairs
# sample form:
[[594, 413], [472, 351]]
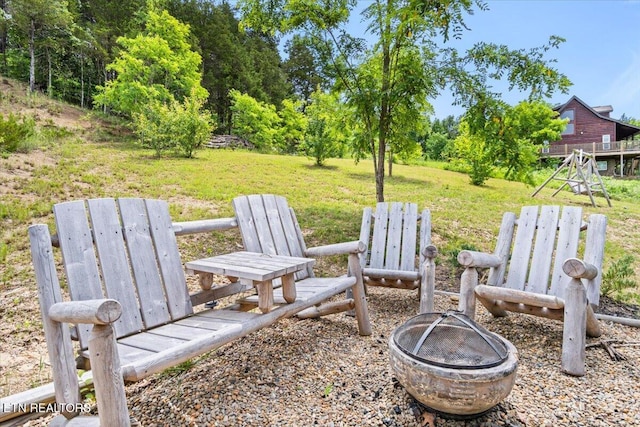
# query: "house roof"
[[623, 130]]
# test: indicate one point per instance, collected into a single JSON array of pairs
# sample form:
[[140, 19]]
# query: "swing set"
[[582, 176]]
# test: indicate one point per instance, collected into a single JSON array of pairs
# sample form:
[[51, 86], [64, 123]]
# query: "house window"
[[606, 142], [570, 129]]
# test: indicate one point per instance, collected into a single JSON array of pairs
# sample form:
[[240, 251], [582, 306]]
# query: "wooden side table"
[[258, 268]]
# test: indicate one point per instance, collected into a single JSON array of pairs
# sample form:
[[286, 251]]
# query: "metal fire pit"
[[452, 365]]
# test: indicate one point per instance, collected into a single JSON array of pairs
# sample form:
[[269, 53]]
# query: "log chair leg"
[[593, 325], [359, 298], [107, 378], [574, 329], [468, 282], [427, 286]]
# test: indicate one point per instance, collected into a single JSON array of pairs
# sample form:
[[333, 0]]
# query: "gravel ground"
[[321, 372]]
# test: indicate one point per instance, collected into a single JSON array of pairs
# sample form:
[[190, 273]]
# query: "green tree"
[[4, 34], [193, 125], [293, 124], [232, 59], [327, 132], [42, 21], [179, 126], [438, 142], [392, 82], [303, 68], [510, 140], [255, 121], [472, 155], [157, 65]]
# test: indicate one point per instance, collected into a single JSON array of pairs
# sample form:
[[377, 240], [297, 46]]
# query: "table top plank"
[[250, 265]]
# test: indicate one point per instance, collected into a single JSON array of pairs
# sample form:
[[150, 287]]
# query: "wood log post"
[[107, 378], [468, 282], [359, 298], [575, 316], [326, 309], [593, 326], [57, 334], [428, 280], [574, 329]]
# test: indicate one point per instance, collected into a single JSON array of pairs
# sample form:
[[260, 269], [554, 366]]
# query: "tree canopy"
[[157, 65], [147, 59], [388, 86]]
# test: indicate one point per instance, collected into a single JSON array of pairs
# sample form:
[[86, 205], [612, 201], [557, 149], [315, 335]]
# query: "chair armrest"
[[204, 225], [96, 311], [354, 247], [478, 259], [579, 269]]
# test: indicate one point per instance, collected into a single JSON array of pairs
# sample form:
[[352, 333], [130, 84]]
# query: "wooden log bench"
[[129, 301]]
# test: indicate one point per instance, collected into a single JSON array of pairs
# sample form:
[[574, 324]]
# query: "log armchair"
[[269, 225], [391, 236], [535, 270]]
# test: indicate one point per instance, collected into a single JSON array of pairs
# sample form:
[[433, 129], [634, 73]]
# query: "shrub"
[[14, 131], [182, 127], [192, 126], [618, 277]]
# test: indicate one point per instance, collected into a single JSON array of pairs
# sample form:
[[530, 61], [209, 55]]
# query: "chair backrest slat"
[[409, 237], [262, 225], [379, 242], [274, 222], [114, 266], [293, 232], [144, 265], [246, 224], [567, 247], [521, 254], [79, 258], [538, 281], [365, 232], [394, 237], [503, 249], [166, 247], [594, 254], [425, 232]]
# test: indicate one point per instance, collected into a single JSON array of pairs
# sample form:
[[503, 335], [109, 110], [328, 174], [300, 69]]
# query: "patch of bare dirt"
[[20, 167], [617, 308], [42, 109]]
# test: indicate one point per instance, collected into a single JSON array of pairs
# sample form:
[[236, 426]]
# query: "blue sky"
[[601, 55]]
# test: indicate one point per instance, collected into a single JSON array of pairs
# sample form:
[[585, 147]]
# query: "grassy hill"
[[81, 156]]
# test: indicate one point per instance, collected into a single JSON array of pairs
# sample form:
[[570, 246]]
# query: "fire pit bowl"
[[452, 365]]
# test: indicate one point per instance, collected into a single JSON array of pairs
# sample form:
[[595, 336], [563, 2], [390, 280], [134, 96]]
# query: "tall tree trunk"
[[82, 80], [380, 173], [50, 76], [3, 39], [32, 55], [383, 128], [390, 162]]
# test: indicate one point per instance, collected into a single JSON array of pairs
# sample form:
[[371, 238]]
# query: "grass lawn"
[[328, 200]]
